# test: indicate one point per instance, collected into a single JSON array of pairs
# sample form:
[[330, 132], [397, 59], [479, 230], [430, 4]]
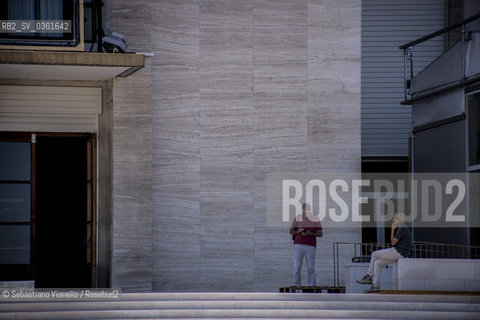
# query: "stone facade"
[[235, 90]]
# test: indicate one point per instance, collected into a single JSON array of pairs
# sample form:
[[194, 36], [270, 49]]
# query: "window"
[[473, 109], [15, 207], [40, 22]]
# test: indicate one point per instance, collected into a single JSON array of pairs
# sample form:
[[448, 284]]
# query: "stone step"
[[298, 297], [238, 305], [250, 306], [239, 314], [435, 298]]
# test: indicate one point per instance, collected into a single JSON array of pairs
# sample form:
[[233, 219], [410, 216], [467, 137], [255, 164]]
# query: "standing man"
[[305, 229], [401, 238]]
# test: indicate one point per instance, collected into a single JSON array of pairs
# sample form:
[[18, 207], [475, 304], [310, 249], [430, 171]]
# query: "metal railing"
[[422, 249], [362, 252], [408, 49]]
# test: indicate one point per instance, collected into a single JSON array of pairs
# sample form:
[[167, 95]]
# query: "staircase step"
[[298, 297], [249, 306], [238, 305], [239, 314]]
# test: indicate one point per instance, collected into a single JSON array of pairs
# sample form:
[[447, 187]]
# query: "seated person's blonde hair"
[[400, 216]]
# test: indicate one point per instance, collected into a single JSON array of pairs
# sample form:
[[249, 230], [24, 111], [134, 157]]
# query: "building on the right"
[[445, 102]]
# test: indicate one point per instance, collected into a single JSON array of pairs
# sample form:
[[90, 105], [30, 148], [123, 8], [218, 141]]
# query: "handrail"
[[408, 58], [422, 249], [439, 32], [359, 248]]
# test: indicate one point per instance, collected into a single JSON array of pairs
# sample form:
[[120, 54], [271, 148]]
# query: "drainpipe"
[[463, 55], [411, 144]]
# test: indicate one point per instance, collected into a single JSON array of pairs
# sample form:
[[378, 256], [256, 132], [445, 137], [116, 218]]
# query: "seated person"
[[401, 238]]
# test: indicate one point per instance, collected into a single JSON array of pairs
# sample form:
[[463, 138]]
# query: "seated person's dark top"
[[404, 237]]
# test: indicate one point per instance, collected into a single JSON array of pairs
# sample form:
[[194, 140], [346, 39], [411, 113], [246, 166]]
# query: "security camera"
[[115, 42]]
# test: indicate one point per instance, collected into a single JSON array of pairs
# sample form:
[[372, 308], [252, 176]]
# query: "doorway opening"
[[62, 212], [62, 241]]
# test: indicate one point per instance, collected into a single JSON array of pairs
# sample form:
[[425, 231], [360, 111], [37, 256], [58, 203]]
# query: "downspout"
[[411, 143]]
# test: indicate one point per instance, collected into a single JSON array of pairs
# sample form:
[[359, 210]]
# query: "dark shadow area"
[[61, 206]]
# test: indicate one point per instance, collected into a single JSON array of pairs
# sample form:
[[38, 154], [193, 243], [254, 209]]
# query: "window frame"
[[12, 272], [474, 167]]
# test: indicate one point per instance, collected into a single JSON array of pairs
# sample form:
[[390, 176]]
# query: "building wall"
[[385, 26], [132, 182], [239, 89]]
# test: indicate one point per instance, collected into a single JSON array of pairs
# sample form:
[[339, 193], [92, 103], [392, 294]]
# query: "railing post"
[[407, 78], [405, 74], [410, 55], [338, 270], [334, 266], [462, 55]]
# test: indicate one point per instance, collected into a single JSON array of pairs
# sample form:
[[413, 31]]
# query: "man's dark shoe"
[[374, 287], [365, 280]]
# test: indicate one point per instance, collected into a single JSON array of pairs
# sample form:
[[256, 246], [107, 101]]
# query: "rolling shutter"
[[49, 109]]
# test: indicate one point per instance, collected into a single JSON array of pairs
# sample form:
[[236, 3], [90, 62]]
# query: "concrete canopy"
[[86, 66]]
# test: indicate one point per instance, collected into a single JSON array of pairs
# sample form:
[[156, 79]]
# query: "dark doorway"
[[375, 167], [61, 212]]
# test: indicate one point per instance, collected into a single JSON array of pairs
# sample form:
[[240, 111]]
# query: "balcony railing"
[[408, 53]]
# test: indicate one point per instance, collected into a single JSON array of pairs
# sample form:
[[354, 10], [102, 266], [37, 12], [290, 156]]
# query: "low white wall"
[[437, 274]]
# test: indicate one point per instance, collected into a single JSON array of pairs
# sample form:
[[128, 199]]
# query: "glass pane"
[[87, 11], [21, 10], [15, 161], [39, 11], [14, 244], [14, 202], [35, 9], [473, 129]]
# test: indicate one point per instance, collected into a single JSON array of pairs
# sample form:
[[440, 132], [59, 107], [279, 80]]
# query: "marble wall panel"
[[280, 13], [226, 139], [132, 183], [239, 89], [176, 148], [132, 156], [227, 13], [273, 259], [334, 85], [226, 239], [333, 125], [280, 72], [280, 62], [134, 21]]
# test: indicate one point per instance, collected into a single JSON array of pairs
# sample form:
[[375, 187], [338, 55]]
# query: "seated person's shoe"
[[374, 287], [365, 280]]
